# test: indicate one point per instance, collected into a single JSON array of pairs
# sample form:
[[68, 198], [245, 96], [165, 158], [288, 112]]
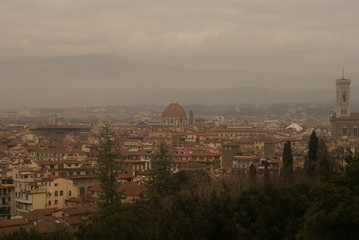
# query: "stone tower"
[[191, 117], [343, 97]]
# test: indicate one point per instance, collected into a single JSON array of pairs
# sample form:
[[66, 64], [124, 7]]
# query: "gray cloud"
[[299, 38]]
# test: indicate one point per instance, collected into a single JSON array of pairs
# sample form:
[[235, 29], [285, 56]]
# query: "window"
[[345, 131], [355, 131], [56, 202], [61, 193], [49, 203], [56, 193], [344, 97], [69, 193], [56, 184]]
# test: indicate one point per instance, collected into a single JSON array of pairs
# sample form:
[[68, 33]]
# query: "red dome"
[[174, 110]]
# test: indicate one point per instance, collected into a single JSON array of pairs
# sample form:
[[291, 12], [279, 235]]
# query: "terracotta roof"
[[39, 213], [174, 110], [353, 116], [130, 189], [72, 220], [124, 176], [46, 227], [74, 199], [13, 222], [79, 210], [41, 127]]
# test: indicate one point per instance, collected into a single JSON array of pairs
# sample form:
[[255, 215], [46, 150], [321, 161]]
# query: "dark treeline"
[[320, 202]]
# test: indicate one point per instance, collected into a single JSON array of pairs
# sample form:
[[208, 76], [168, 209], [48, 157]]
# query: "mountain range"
[[108, 79]]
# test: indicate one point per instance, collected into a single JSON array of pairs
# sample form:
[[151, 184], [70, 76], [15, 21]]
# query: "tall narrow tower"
[[191, 117], [343, 97]]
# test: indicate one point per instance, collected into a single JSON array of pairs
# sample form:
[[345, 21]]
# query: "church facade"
[[343, 122]]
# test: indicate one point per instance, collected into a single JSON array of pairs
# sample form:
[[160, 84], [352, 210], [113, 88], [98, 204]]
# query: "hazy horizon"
[[72, 53]]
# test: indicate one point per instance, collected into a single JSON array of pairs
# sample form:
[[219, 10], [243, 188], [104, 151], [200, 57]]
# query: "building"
[[7, 195], [174, 115], [343, 122], [30, 194], [58, 133]]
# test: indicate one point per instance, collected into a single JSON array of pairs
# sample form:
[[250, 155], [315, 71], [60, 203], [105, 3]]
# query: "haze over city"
[[179, 119], [81, 53]]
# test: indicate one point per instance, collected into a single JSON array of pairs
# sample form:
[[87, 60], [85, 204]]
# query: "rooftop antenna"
[[343, 74]]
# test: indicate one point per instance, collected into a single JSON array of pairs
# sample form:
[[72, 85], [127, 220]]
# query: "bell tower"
[[343, 97]]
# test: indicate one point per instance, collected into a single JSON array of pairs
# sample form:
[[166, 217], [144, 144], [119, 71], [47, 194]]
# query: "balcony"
[[20, 200], [6, 204], [5, 212]]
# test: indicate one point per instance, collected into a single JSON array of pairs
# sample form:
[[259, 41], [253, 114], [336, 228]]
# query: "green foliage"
[[22, 234], [287, 168], [311, 160], [335, 210], [126, 221], [252, 175], [325, 164], [61, 233], [160, 175], [108, 168]]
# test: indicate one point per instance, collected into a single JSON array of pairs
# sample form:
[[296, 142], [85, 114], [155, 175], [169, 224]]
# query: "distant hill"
[[105, 79], [241, 95]]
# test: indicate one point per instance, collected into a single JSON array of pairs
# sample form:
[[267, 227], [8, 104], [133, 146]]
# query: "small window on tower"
[[344, 97], [345, 131]]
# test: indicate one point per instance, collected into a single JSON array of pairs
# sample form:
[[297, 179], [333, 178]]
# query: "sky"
[[306, 38]]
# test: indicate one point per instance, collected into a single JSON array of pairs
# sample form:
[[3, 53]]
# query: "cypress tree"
[[287, 168], [311, 159], [325, 165]]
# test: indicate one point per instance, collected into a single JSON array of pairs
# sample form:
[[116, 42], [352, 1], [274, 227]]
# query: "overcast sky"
[[314, 38]]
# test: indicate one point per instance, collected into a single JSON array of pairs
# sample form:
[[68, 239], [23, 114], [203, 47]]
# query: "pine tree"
[[108, 167], [287, 168], [311, 159]]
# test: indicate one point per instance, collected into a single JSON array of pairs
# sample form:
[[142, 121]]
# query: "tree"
[[108, 168], [160, 174], [266, 172], [22, 234], [252, 175], [311, 159], [325, 165], [334, 213], [287, 168]]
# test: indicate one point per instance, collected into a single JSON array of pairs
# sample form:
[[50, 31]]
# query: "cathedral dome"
[[174, 110]]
